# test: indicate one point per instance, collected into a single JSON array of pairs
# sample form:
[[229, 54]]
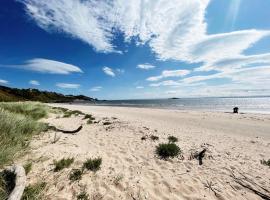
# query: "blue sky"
[[136, 49]]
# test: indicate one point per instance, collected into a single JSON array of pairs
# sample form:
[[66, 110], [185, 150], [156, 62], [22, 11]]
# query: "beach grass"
[[63, 163], [92, 164], [167, 150], [34, 192]]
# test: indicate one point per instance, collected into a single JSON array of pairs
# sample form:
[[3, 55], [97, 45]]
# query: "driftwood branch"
[[65, 131], [20, 182], [247, 183], [200, 156]]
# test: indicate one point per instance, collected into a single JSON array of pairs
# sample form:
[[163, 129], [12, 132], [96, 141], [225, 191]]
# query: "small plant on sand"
[[34, 192], [154, 138], [75, 175], [92, 164], [265, 162], [69, 113], [63, 163], [27, 167], [117, 179], [83, 195], [172, 139], [168, 150]]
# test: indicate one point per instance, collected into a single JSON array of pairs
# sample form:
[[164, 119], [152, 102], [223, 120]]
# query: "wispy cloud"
[[68, 85], [139, 87], [34, 82], [3, 81], [96, 89], [169, 73], [181, 35], [146, 66], [108, 71]]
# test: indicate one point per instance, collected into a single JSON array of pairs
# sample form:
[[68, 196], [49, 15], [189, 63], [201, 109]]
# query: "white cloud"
[[34, 82], [49, 66], [169, 73], [108, 71], [3, 81], [96, 89], [171, 92], [68, 85], [235, 62], [139, 87], [174, 29], [146, 66]]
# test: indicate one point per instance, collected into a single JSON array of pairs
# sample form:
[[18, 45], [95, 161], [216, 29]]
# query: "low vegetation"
[[92, 164], [168, 150], [75, 175], [69, 113], [89, 118], [266, 162], [18, 123], [154, 138], [172, 139], [34, 192], [63, 163], [83, 196]]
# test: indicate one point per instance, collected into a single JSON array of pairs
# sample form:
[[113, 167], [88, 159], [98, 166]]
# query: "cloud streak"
[[34, 82], [108, 71], [3, 81], [68, 85], [146, 66], [169, 73], [96, 89]]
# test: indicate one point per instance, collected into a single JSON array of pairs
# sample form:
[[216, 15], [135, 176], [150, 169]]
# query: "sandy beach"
[[235, 145]]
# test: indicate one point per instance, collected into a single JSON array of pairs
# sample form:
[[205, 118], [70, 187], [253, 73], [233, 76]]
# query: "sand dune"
[[131, 170]]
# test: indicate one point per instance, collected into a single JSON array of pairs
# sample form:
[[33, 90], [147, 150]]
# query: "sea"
[[222, 104]]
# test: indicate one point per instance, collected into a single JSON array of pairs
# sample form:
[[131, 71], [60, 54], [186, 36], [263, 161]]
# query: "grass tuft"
[[172, 139], [63, 163], [75, 175], [92, 164], [34, 192], [168, 150], [83, 196]]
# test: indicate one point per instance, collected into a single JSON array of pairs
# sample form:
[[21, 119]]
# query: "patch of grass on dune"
[[33, 110], [18, 125]]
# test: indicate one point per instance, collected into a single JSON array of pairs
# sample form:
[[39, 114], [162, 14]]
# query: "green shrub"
[[75, 175], [168, 150], [69, 113], [172, 139], [34, 192], [266, 162], [92, 164], [63, 163]]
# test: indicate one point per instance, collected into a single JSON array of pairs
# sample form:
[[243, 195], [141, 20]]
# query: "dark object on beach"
[[200, 156], [235, 110], [143, 138], [64, 131]]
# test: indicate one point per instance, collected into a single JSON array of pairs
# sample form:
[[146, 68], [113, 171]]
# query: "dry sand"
[[130, 168]]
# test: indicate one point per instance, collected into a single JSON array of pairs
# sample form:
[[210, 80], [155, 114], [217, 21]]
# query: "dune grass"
[[33, 110], [63, 163], [34, 192], [18, 124]]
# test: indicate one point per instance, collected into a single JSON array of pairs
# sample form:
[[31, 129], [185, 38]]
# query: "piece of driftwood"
[[249, 184], [65, 131], [20, 182], [200, 156]]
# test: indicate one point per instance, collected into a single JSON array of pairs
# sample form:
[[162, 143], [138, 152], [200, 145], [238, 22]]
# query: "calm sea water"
[[245, 104]]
